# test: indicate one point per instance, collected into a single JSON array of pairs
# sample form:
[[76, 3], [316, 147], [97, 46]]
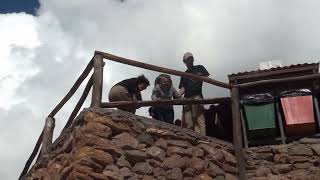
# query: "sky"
[[45, 45]]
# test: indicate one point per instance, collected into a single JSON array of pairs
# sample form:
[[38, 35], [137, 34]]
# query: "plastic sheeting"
[[257, 98]]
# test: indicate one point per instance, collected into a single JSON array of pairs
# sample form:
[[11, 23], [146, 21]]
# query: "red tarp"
[[298, 113]]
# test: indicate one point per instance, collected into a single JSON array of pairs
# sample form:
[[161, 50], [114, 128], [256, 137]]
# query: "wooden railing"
[[96, 82]]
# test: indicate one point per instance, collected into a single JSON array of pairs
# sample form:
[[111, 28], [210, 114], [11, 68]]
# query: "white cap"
[[187, 55]]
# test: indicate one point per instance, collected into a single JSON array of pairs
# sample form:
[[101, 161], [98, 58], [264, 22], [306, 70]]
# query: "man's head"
[[143, 83], [188, 60]]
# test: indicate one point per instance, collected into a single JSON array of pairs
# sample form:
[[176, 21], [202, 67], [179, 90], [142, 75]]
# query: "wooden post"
[[47, 136], [237, 135], [97, 81]]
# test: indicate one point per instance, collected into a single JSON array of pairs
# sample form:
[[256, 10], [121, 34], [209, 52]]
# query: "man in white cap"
[[192, 115]]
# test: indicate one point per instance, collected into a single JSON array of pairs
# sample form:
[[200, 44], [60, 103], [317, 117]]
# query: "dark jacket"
[[132, 86]]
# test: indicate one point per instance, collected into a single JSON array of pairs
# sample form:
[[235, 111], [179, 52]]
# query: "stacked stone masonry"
[[108, 144]]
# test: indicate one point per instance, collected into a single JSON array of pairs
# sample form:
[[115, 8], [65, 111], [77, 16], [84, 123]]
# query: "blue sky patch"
[[16, 6]]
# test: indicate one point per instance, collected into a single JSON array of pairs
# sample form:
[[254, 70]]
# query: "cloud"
[[42, 56]]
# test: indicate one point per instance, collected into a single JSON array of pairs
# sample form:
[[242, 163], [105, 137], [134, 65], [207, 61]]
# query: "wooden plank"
[[79, 103], [161, 69], [97, 81], [32, 156], [278, 81], [244, 129], [47, 136], [165, 102], [73, 89], [283, 137], [237, 135]]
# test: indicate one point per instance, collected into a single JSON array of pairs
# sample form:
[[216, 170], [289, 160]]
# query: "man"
[[193, 115], [129, 90], [164, 90]]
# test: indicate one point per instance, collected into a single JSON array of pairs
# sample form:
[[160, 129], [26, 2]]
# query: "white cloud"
[[41, 56]]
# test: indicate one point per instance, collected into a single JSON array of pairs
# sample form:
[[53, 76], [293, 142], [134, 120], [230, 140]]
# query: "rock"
[[91, 163], [283, 168], [281, 159], [146, 138], [316, 148], [175, 174], [229, 169], [266, 156], [114, 175], [305, 165], [300, 150], [134, 156], [229, 158], [188, 172], [175, 161], [111, 167], [98, 176], [125, 172], [204, 177], [177, 150], [220, 177], [159, 172], [142, 168], [183, 144], [117, 127], [96, 155], [263, 172], [145, 177], [154, 163], [97, 129], [297, 159], [230, 177], [122, 162], [197, 164], [125, 141], [213, 153], [195, 151], [214, 170], [162, 143], [98, 143], [156, 153]]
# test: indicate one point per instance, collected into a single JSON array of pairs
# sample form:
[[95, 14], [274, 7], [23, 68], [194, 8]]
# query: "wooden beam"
[[73, 89], [237, 135], [97, 81], [47, 136], [164, 102], [278, 81], [161, 69], [31, 158], [80, 103]]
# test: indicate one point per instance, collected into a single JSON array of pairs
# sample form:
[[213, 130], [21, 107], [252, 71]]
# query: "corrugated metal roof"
[[276, 69]]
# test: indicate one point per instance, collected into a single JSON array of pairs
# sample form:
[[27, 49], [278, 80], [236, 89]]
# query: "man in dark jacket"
[[192, 115], [129, 90]]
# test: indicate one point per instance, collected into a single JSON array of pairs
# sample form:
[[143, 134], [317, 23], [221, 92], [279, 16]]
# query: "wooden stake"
[[237, 135], [97, 81], [47, 136]]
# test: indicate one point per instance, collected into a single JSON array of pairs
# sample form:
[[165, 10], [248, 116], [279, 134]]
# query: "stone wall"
[[108, 144]]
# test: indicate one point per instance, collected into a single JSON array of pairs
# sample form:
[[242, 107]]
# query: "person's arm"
[[176, 94], [155, 94], [203, 71], [182, 86]]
